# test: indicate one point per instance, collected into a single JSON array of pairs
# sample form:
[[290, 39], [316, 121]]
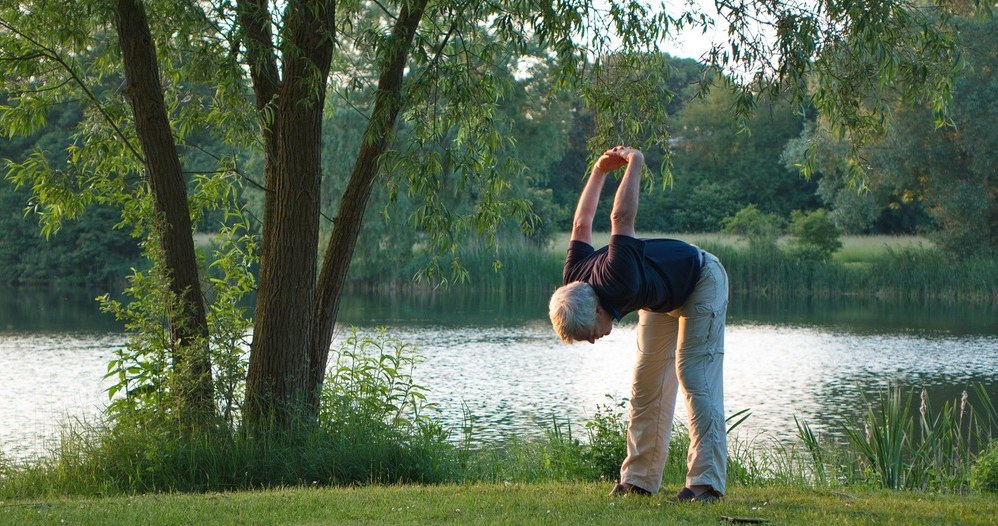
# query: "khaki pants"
[[682, 348]]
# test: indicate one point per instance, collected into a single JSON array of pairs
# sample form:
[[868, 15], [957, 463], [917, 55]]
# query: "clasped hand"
[[616, 157]]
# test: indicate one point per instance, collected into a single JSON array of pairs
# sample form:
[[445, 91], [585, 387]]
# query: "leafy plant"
[[760, 229], [144, 379], [607, 438], [815, 235], [984, 474], [371, 380]]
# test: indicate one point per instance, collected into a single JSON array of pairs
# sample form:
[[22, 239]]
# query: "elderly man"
[[681, 295]]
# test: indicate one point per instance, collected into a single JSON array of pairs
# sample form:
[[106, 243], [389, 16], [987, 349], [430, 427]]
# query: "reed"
[[517, 266], [902, 450], [885, 440], [810, 441], [900, 269], [904, 275]]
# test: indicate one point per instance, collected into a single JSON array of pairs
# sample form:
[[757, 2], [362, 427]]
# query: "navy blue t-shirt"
[[631, 274]]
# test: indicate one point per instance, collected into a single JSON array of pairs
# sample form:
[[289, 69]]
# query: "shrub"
[[815, 235], [760, 229], [984, 474], [607, 438]]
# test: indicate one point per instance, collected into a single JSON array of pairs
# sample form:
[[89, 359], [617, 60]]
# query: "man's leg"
[[699, 364], [653, 401]]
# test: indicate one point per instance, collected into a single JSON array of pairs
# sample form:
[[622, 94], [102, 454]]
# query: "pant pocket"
[[704, 324]]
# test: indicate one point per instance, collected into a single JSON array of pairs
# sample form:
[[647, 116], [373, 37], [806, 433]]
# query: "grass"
[[901, 268], [854, 248], [549, 503], [860, 249]]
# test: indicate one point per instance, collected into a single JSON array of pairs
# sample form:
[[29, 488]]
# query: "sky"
[[693, 43]]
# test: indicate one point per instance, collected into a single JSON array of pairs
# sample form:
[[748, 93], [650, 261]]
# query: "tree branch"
[[53, 55]]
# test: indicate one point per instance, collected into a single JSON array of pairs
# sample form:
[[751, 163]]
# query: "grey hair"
[[573, 310]]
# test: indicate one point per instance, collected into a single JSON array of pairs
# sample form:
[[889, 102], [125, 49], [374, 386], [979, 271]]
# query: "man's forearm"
[[585, 211], [625, 202]]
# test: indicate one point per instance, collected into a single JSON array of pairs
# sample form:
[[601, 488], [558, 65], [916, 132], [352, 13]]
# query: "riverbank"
[[546, 503], [908, 268]]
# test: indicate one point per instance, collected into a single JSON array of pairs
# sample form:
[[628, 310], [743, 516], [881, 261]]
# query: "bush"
[[984, 474], [760, 229], [815, 235], [607, 438]]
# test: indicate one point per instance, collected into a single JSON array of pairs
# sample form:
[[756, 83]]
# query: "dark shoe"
[[708, 497], [684, 495], [626, 488]]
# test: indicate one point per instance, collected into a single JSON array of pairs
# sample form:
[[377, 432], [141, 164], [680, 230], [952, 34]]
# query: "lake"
[[494, 357]]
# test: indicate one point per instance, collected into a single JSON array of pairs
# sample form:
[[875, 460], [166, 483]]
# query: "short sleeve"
[[624, 258], [578, 252]]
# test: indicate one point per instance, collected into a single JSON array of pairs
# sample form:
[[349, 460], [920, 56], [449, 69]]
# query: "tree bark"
[[350, 216], [277, 385], [256, 21], [188, 325]]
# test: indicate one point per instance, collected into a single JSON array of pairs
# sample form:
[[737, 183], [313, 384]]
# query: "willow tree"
[[259, 74]]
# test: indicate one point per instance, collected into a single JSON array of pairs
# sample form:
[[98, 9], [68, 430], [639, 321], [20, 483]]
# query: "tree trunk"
[[350, 216], [277, 386], [188, 324]]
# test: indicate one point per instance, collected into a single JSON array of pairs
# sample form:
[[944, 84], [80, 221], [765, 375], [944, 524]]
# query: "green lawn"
[[863, 248], [549, 504]]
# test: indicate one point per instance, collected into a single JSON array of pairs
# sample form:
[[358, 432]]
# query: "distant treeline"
[[919, 178]]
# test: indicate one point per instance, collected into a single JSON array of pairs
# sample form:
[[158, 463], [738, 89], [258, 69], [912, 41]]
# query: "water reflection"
[[46, 380], [867, 315], [458, 307], [48, 310]]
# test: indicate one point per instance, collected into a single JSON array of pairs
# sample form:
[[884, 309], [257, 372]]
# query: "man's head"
[[576, 314]]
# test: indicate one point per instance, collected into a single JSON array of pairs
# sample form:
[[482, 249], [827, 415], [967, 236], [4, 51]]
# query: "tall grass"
[[896, 449], [903, 275], [885, 438], [901, 269], [517, 265]]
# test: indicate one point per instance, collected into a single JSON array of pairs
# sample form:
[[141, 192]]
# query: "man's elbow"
[[623, 223], [622, 217], [583, 224]]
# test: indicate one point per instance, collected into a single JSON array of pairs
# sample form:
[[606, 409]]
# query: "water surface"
[[495, 358]]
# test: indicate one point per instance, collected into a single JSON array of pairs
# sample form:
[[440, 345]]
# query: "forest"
[[921, 176]]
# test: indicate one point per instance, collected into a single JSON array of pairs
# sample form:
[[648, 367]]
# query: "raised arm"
[[585, 211], [625, 202]]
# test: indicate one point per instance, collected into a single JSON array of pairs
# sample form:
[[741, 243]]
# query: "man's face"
[[602, 327]]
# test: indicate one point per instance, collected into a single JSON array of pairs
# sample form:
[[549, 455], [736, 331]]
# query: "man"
[[681, 295]]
